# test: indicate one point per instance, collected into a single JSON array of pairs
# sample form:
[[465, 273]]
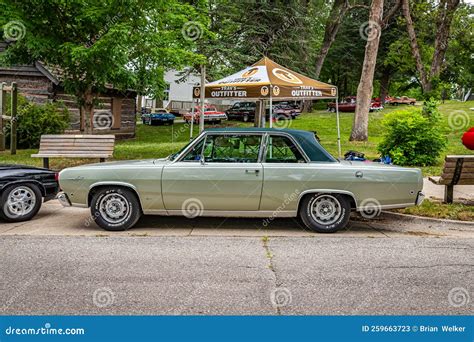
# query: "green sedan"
[[242, 172]]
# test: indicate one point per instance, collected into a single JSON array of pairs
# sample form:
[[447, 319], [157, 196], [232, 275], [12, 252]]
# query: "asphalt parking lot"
[[62, 263]]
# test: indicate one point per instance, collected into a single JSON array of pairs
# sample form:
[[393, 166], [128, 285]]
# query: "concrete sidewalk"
[[462, 193], [53, 219]]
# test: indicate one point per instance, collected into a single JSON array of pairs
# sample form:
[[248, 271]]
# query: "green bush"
[[34, 120], [413, 136]]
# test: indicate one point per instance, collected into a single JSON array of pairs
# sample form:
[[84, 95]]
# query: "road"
[[63, 264]]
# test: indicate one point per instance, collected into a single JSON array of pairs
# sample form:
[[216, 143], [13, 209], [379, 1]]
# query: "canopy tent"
[[267, 80]]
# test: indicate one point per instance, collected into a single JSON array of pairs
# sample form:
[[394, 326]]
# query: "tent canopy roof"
[[266, 79]]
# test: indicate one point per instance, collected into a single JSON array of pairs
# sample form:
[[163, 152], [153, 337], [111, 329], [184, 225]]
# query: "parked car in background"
[[159, 117], [291, 104], [211, 115], [395, 101], [282, 111], [349, 103], [23, 189], [243, 111], [241, 172]]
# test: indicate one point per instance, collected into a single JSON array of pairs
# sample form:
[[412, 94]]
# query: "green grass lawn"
[[160, 141]]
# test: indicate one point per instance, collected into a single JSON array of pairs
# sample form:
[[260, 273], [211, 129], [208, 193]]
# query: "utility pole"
[[13, 123], [203, 97]]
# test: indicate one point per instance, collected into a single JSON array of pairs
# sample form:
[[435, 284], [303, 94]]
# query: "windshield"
[[174, 155]]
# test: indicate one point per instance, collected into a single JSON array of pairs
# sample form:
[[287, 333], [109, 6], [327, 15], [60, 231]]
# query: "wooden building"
[[115, 112]]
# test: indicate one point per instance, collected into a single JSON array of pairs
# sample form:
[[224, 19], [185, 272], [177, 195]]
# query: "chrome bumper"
[[420, 198], [63, 199]]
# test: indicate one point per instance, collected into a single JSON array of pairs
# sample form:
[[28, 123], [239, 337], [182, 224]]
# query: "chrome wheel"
[[114, 208], [325, 209], [20, 202]]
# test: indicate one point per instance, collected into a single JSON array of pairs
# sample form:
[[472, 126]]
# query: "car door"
[[222, 172], [286, 172]]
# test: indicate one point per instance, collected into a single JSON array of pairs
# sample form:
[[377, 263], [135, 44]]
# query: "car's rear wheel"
[[325, 213], [20, 202], [115, 208]]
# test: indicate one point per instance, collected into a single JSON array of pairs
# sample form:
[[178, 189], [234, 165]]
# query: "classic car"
[[211, 115], [244, 111], [395, 101], [158, 116], [349, 105], [282, 111], [23, 189], [241, 172]]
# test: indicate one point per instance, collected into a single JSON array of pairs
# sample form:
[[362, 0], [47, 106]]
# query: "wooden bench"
[[75, 146], [457, 170]]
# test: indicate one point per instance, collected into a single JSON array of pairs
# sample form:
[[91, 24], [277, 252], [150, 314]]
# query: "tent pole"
[[262, 113], [338, 126], [192, 121], [203, 97], [271, 108]]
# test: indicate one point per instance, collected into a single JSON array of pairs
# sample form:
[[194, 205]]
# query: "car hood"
[[124, 163], [19, 167]]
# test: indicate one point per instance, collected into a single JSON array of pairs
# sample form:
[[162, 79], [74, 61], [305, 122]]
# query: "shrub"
[[35, 120], [413, 136]]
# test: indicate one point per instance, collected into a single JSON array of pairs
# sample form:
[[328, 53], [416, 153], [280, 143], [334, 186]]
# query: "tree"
[[94, 43], [446, 10], [372, 31], [365, 89]]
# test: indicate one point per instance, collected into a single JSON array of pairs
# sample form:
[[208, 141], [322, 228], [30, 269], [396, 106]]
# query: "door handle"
[[252, 171]]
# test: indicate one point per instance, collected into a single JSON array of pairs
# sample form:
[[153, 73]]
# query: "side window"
[[195, 153], [281, 149], [232, 148]]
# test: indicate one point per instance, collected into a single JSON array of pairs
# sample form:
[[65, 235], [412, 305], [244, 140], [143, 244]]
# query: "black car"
[[244, 111], [23, 189]]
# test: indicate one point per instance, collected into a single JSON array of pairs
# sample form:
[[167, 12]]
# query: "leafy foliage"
[[413, 136], [34, 120]]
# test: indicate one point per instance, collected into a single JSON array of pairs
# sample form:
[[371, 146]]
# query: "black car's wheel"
[[325, 213], [20, 202], [115, 208], [245, 118]]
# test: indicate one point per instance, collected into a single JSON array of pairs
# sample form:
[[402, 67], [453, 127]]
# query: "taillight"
[[56, 176]]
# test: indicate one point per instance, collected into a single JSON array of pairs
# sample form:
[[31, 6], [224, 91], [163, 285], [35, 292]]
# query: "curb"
[[429, 220]]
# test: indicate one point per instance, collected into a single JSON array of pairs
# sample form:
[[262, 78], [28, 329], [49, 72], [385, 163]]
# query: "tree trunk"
[[333, 23], [365, 89], [443, 24], [415, 49], [86, 112]]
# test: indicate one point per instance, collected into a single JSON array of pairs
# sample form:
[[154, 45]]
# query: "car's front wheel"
[[325, 213], [20, 202], [245, 118], [115, 208]]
